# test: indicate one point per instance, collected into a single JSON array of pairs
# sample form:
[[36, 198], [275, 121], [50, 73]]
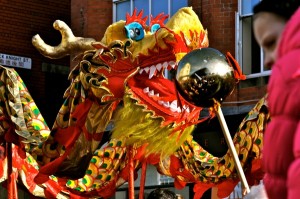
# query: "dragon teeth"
[[158, 67], [151, 93], [172, 64], [165, 64], [173, 106], [188, 109], [147, 69], [146, 90], [166, 104], [152, 71]]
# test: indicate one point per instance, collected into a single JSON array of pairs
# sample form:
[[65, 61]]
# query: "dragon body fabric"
[[120, 83]]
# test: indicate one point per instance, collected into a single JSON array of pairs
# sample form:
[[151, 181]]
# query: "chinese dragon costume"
[[119, 114]]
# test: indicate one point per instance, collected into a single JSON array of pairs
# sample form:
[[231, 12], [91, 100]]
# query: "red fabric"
[[29, 170], [200, 188], [51, 167], [143, 180], [108, 190], [282, 137], [2, 157], [52, 189], [176, 170], [66, 137], [124, 173], [225, 188], [12, 191], [131, 173], [238, 75], [151, 159], [256, 173]]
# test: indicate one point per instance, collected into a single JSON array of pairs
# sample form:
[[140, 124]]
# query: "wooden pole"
[[131, 173], [231, 147], [143, 180], [11, 177]]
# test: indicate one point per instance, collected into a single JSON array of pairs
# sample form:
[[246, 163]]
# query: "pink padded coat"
[[281, 153]]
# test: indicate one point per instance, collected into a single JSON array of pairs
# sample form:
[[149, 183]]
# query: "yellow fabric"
[[184, 21], [136, 124]]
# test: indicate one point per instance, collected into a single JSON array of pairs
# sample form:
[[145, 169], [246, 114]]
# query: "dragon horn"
[[69, 43]]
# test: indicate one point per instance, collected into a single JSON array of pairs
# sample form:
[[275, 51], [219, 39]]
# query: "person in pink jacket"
[[277, 29]]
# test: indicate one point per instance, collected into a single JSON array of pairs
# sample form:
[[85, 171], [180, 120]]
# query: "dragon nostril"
[[126, 45]]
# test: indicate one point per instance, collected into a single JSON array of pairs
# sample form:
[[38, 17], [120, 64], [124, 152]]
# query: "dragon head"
[[138, 55], [133, 63], [138, 60]]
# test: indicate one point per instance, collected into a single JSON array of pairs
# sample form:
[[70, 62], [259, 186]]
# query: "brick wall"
[[19, 21], [91, 18], [218, 17]]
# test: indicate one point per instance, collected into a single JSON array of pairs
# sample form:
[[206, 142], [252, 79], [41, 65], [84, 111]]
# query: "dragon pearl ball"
[[204, 76]]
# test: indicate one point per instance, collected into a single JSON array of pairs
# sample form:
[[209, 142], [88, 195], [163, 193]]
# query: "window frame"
[[239, 43], [169, 12]]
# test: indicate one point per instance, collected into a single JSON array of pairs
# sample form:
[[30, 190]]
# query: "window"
[[249, 53], [154, 7]]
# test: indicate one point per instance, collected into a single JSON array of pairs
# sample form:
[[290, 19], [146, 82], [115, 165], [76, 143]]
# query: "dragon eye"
[[134, 31], [155, 27]]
